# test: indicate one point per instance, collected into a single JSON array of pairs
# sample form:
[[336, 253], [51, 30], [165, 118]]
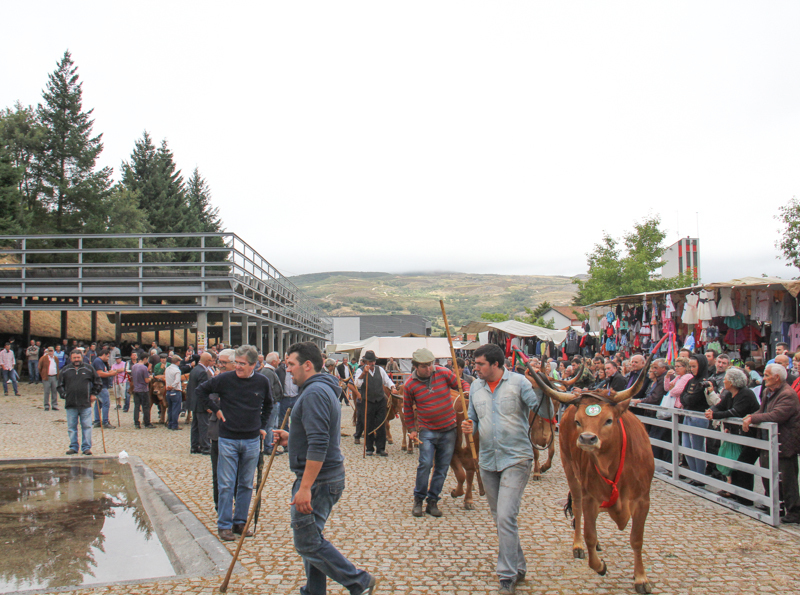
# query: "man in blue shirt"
[[100, 364], [499, 403]]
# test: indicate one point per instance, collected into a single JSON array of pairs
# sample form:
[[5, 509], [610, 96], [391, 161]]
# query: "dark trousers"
[[376, 413], [788, 487], [360, 419], [665, 435], [141, 401], [199, 437], [742, 479]]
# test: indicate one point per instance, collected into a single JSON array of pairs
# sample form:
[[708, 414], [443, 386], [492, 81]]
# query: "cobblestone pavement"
[[691, 545]]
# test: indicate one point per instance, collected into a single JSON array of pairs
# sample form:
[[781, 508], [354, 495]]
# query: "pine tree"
[[203, 211], [10, 196], [22, 137], [71, 186]]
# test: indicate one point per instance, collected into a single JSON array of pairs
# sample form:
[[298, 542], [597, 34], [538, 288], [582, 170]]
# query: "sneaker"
[[373, 584], [432, 509], [72, 452], [108, 426], [226, 535], [520, 576], [370, 453], [96, 424], [356, 440], [417, 510], [87, 452], [507, 587]]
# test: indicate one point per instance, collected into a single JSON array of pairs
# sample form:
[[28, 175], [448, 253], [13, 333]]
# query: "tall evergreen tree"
[[10, 196], [71, 185], [23, 138], [203, 211]]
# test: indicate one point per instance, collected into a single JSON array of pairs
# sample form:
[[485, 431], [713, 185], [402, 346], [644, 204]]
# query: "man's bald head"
[[783, 360], [206, 359], [637, 362]]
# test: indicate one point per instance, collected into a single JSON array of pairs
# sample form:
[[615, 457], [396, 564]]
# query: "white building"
[[682, 257]]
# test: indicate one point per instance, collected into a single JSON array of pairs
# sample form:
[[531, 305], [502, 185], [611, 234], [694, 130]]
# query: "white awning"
[[521, 329]]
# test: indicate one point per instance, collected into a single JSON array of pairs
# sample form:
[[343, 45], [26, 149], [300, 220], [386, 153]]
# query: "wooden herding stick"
[[224, 586], [366, 404], [461, 396]]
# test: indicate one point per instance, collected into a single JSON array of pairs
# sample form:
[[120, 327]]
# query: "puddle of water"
[[65, 524]]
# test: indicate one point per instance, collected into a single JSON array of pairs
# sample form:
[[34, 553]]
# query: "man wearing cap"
[[428, 389], [374, 378]]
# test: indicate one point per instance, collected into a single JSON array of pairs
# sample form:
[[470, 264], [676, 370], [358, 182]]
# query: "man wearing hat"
[[373, 378], [428, 407]]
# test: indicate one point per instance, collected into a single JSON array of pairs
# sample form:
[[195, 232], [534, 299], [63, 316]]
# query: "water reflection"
[[65, 525]]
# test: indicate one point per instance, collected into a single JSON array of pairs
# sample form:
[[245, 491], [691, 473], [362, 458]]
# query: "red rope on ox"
[[614, 491]]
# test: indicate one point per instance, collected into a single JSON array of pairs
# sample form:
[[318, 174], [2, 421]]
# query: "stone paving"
[[691, 545]]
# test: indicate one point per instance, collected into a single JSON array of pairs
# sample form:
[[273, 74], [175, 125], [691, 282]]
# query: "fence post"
[[774, 479], [676, 457]]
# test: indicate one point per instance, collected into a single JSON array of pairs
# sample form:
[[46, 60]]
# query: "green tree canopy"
[[789, 241], [614, 271]]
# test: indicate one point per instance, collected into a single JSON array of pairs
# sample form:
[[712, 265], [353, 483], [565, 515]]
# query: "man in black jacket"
[[199, 433], [79, 385], [616, 381], [244, 409]]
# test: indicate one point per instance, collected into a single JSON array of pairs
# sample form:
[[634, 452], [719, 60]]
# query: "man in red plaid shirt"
[[428, 407]]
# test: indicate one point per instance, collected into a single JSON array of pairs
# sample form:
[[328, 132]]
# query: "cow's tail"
[[568, 509]]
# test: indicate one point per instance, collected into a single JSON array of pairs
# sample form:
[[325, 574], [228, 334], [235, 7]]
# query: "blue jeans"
[[127, 387], [320, 558], [235, 468], [286, 403], [695, 442], [10, 374], [85, 417], [174, 401], [273, 424], [33, 370], [504, 491], [103, 400], [435, 450]]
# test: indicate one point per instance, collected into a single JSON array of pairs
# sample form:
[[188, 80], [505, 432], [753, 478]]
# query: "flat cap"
[[423, 355]]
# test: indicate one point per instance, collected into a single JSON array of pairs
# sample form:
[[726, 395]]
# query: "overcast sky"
[[488, 137]]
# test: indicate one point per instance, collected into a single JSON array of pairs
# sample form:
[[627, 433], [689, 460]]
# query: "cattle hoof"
[[536, 477], [645, 587], [598, 548], [455, 493], [481, 492], [604, 569], [390, 441], [469, 506], [577, 553]]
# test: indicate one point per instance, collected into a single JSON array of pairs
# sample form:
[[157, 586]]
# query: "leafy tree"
[[22, 136], [613, 272], [10, 197], [70, 184], [539, 310], [789, 242], [531, 317], [494, 316]]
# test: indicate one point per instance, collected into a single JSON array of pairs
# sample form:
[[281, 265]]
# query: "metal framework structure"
[[212, 276]]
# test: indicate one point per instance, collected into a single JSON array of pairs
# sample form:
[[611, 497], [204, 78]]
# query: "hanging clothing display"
[[670, 308], [725, 307], [707, 308], [690, 309], [761, 310]]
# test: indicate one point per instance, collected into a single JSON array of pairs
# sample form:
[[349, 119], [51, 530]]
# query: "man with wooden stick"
[[428, 407], [376, 406], [499, 403], [316, 459]]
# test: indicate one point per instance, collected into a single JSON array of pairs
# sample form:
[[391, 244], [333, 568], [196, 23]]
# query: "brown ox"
[[158, 396], [395, 405], [463, 465], [602, 449]]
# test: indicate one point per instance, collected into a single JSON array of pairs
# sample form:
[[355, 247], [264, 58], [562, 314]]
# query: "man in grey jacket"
[[79, 385], [269, 370]]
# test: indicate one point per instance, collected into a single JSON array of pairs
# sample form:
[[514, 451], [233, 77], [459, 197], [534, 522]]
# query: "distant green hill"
[[467, 296]]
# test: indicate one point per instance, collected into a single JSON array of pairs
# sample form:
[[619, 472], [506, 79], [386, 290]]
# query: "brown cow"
[[158, 395], [463, 465], [395, 405], [609, 466]]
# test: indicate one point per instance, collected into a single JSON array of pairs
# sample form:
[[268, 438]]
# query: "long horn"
[[550, 392], [626, 394], [574, 379]]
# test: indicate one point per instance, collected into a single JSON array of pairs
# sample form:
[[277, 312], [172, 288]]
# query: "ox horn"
[[547, 388], [574, 379], [626, 394]]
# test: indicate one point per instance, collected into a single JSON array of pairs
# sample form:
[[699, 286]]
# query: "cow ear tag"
[[593, 410]]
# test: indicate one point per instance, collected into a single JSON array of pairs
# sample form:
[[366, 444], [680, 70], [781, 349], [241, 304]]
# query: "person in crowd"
[[636, 366], [79, 385], [114, 354], [779, 404], [711, 359], [625, 368], [225, 363], [795, 366], [8, 364], [244, 409], [675, 380], [91, 353], [343, 369], [465, 375], [32, 356], [721, 364], [290, 392], [198, 440], [140, 379], [428, 407], [505, 452], [393, 368], [755, 378], [316, 459], [161, 367], [737, 401], [373, 378], [616, 381], [271, 361], [103, 403], [119, 382], [780, 349], [155, 347], [47, 370], [693, 398], [600, 382], [174, 386], [784, 360], [655, 396]]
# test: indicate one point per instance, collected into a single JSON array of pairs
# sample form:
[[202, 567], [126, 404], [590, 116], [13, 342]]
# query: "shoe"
[[696, 484], [204, 452], [762, 508], [72, 452], [54, 408], [417, 510], [520, 576], [194, 451], [383, 453], [183, 414], [226, 535], [176, 428], [117, 407], [47, 408], [149, 426], [237, 529], [370, 453], [108, 426], [137, 426], [17, 395], [87, 452], [792, 519], [96, 424], [507, 587], [373, 583], [432, 509], [356, 440]]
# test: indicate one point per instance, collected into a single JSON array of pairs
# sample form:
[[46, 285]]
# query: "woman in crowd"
[[675, 380], [738, 401], [601, 382], [693, 398], [753, 376]]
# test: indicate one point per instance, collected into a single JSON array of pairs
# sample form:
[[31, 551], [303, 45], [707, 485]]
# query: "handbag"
[[667, 401], [729, 450]]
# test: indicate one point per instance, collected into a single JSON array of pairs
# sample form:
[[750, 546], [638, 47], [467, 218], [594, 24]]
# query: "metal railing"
[[151, 272]]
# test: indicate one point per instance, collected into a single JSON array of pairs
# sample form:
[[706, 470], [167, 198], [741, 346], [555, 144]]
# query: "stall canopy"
[[398, 347], [521, 329]]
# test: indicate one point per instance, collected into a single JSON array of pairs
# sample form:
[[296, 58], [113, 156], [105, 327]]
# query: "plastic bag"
[[729, 450]]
